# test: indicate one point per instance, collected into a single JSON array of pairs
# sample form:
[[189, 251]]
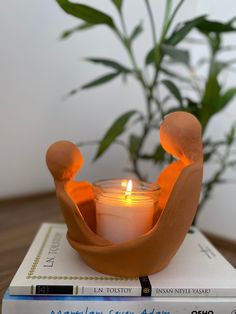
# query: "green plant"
[[208, 95]]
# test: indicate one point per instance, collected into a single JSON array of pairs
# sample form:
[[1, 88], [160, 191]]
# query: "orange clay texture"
[[180, 183]]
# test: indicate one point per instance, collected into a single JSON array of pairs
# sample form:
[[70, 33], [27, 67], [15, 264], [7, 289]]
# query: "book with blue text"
[[52, 267], [116, 305]]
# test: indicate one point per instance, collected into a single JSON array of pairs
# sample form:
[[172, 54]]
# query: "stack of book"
[[53, 279]]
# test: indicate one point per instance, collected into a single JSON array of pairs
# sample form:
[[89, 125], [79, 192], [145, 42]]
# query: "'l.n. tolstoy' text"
[[52, 251], [110, 291]]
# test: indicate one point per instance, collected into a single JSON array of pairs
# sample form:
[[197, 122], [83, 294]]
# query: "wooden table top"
[[20, 219]]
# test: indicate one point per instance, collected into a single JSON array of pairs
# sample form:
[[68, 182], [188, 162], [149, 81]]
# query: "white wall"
[[37, 70]]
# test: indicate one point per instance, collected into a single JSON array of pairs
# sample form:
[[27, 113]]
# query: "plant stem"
[[159, 105], [126, 42], [168, 24], [157, 57], [135, 160], [154, 36], [157, 46], [147, 93], [123, 24], [165, 28]]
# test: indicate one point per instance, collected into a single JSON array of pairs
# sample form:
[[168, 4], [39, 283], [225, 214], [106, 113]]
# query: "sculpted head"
[[64, 160], [180, 136]]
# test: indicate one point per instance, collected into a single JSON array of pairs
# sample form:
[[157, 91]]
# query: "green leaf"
[[226, 98], [146, 157], [110, 63], [215, 40], [231, 135], [212, 91], [174, 75], [101, 80], [86, 13], [150, 57], [232, 163], [78, 28], [134, 142], [219, 66], [179, 34], [117, 128], [159, 154], [167, 17], [118, 4], [193, 107], [136, 32], [207, 26], [210, 148], [176, 55], [213, 100], [232, 20], [210, 99], [207, 156], [173, 90]]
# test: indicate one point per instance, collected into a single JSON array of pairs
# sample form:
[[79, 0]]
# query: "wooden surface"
[[20, 219]]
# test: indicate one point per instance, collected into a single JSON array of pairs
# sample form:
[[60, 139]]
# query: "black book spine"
[[50, 289]]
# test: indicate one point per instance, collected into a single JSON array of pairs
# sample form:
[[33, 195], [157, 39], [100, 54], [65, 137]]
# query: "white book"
[[52, 267], [116, 305]]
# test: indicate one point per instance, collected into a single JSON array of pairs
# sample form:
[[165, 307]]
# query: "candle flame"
[[129, 188]]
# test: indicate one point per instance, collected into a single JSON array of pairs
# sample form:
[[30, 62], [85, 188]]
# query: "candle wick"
[[127, 194]]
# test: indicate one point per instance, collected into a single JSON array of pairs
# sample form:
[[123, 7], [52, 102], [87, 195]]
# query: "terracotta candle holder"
[[180, 185]]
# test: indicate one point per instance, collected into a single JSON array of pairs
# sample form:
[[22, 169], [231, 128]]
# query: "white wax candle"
[[124, 217]]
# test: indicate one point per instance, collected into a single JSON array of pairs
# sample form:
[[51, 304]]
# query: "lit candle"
[[124, 209]]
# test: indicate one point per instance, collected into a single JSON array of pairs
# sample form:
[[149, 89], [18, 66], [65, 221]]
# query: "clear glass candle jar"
[[124, 208]]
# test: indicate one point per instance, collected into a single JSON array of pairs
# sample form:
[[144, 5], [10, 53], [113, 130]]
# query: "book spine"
[[109, 291], [151, 306], [155, 292], [193, 292], [143, 290], [63, 290], [21, 290]]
